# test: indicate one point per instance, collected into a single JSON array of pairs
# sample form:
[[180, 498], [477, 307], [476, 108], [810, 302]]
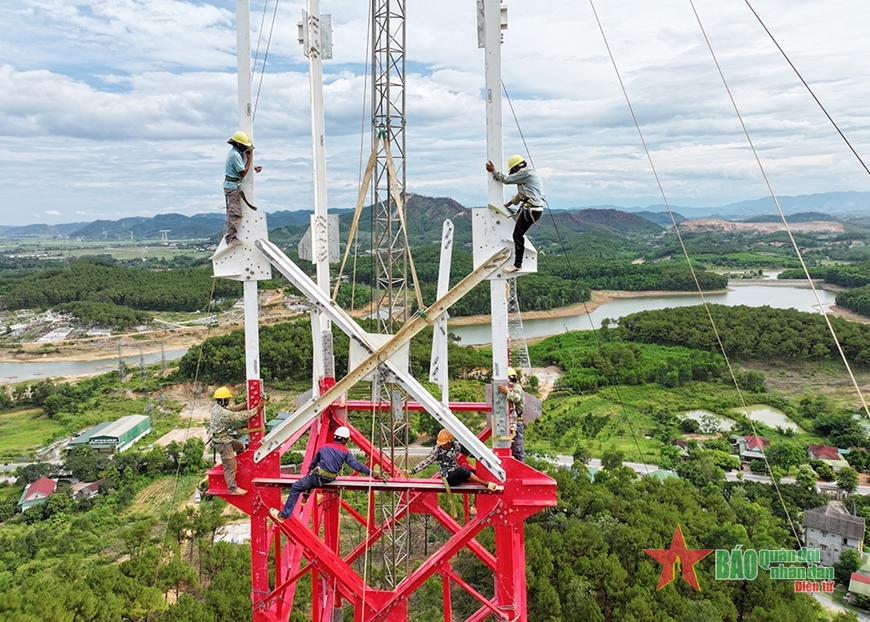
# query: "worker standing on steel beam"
[[324, 469], [516, 399], [236, 167], [446, 453], [530, 197], [224, 419]]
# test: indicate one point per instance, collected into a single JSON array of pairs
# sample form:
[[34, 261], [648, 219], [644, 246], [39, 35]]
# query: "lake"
[[39, 370], [769, 416], [776, 296]]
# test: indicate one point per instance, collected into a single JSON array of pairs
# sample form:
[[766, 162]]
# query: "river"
[[36, 370], [777, 296]]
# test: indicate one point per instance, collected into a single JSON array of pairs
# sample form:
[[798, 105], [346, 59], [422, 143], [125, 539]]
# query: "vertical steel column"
[[388, 119], [259, 536], [489, 12], [314, 29], [510, 589]]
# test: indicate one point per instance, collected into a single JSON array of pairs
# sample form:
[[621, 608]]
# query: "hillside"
[[426, 215], [715, 225]]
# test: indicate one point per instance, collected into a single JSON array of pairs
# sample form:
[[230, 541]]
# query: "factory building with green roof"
[[114, 436]]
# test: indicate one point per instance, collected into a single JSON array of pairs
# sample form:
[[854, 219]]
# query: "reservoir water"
[[39, 370], [776, 296]]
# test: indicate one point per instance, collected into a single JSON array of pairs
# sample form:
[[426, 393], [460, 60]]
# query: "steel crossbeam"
[[379, 357]]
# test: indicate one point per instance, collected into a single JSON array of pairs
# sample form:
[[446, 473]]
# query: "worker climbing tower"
[[331, 541]]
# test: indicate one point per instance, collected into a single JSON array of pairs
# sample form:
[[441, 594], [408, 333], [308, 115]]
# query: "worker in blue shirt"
[[236, 167], [324, 469], [530, 197]]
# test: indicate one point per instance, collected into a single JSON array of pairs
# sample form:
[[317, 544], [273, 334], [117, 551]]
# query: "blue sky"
[[114, 108]]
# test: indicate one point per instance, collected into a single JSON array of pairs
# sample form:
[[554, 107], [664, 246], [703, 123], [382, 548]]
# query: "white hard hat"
[[342, 432]]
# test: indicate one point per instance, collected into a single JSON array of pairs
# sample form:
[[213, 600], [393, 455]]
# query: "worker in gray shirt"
[[530, 197]]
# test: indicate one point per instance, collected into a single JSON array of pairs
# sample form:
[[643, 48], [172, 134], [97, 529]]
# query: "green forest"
[[97, 290], [750, 332], [105, 559], [139, 552]]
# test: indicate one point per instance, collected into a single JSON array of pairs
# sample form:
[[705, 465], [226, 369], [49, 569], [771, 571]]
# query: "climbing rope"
[[599, 341]]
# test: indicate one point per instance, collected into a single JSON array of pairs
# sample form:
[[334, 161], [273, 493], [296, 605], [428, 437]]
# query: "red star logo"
[[678, 554]]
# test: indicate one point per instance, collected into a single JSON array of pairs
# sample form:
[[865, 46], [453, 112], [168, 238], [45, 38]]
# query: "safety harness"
[[236, 180]]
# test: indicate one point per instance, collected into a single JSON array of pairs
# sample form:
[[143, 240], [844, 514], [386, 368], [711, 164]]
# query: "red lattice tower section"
[[314, 538]]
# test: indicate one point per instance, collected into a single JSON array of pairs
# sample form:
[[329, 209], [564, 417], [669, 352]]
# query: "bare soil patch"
[[180, 435]]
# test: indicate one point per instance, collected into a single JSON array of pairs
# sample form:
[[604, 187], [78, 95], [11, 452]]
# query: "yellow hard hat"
[[241, 138], [511, 372], [444, 437], [222, 394], [514, 160]]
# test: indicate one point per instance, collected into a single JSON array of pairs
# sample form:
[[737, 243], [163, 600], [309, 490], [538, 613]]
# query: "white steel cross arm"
[[379, 357]]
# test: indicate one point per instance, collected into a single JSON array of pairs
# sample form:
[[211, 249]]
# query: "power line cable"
[[265, 58], [809, 89]]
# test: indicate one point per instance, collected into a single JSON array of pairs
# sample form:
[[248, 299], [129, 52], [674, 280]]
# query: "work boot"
[[304, 500], [509, 269], [237, 491], [276, 515]]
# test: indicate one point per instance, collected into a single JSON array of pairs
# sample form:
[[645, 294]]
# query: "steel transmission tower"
[[388, 118], [391, 253]]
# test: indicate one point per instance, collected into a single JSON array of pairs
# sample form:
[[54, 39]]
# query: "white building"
[[831, 529]]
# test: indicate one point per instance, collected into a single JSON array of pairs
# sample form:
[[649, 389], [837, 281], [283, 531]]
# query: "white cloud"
[[123, 107], [52, 212]]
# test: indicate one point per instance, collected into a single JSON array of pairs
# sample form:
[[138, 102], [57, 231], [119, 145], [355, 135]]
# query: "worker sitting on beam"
[[325, 467], [446, 453]]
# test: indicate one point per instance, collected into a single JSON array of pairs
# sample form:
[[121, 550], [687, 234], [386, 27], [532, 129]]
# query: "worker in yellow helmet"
[[530, 197], [225, 418], [236, 167], [516, 398]]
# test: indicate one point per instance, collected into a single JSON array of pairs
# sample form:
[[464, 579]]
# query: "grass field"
[[623, 417], [24, 431], [118, 249], [165, 494]]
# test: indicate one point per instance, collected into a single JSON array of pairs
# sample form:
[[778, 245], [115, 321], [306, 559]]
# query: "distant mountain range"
[[425, 215], [832, 203]]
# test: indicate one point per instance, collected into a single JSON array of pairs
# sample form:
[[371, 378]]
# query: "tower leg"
[[511, 577]]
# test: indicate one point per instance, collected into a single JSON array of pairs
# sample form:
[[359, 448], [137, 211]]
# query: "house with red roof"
[[750, 448], [36, 493], [859, 584], [757, 443], [827, 454]]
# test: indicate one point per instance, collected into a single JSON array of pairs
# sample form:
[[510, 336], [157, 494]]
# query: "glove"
[[264, 398]]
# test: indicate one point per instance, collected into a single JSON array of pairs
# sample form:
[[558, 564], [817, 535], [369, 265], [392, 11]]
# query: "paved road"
[[831, 605], [731, 476]]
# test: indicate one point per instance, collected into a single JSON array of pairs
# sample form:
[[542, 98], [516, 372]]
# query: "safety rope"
[[685, 250], [362, 134], [599, 341]]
